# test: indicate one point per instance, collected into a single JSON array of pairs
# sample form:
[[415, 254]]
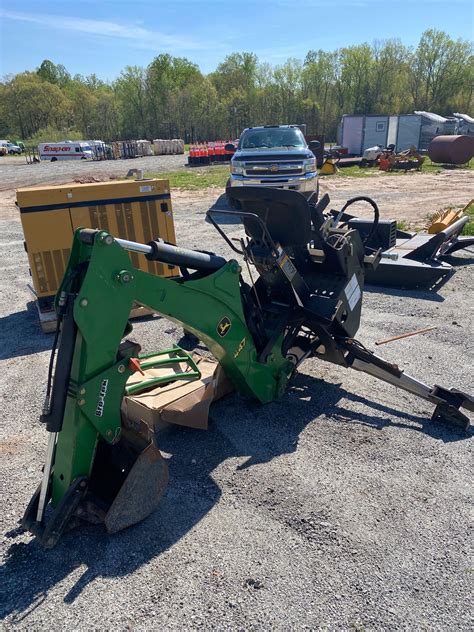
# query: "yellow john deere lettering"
[[240, 347]]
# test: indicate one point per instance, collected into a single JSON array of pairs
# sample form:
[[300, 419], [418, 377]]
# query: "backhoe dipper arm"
[[447, 401]]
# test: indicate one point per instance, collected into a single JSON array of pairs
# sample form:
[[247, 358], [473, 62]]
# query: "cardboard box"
[[184, 402]]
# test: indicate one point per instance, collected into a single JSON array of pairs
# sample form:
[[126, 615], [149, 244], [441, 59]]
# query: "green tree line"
[[172, 98]]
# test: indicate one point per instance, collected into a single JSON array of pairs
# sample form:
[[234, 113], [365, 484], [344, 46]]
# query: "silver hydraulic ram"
[[167, 253], [159, 250]]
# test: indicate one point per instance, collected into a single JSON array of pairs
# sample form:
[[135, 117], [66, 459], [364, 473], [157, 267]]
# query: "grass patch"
[[403, 225], [194, 179], [469, 227], [433, 167], [358, 172], [428, 167]]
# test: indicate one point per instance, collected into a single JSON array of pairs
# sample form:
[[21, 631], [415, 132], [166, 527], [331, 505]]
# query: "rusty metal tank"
[[452, 150]]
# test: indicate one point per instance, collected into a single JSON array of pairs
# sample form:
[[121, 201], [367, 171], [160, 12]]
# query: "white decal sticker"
[[146, 189], [353, 292]]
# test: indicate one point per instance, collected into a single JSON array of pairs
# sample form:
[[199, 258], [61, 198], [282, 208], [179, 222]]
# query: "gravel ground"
[[16, 173], [341, 506]]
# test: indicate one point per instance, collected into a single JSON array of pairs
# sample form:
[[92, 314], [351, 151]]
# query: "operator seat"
[[286, 214]]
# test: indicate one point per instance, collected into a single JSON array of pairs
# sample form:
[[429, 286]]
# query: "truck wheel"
[[53, 159]]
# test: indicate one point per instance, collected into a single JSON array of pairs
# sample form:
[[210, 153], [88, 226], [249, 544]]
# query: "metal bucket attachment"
[[141, 492], [128, 479]]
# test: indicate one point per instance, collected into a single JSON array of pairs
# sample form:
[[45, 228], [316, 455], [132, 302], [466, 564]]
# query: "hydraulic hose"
[[361, 198]]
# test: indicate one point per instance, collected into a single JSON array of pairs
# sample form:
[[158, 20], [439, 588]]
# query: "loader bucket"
[[127, 481]]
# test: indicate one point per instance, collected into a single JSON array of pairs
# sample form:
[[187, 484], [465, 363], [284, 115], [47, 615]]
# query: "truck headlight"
[[309, 165], [237, 167]]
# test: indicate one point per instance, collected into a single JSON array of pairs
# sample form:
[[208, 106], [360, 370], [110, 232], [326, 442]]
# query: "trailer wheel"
[[53, 159]]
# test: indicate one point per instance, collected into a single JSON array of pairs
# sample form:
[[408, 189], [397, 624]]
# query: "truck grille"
[[260, 169]]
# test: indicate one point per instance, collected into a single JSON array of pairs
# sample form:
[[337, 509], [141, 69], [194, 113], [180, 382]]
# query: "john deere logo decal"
[[223, 326]]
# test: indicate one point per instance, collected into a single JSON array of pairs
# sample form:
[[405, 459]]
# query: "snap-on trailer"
[[65, 150]]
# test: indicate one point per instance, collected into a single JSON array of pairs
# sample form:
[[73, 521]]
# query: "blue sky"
[[103, 36]]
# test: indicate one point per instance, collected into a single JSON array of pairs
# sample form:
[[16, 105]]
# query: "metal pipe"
[[406, 335], [457, 226]]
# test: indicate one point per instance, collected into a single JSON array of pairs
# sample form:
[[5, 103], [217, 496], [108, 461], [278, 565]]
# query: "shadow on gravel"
[[21, 334], [457, 261], [424, 295], [385, 416], [239, 428]]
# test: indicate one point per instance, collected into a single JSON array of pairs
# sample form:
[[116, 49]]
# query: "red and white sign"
[[65, 151]]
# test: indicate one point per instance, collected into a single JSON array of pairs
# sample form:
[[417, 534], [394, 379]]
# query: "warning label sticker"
[[285, 264], [353, 292]]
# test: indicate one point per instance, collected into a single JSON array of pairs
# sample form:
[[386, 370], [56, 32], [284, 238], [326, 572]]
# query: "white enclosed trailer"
[[465, 124], [358, 133]]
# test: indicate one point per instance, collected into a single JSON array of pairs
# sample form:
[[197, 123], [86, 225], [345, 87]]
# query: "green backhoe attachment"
[[306, 302]]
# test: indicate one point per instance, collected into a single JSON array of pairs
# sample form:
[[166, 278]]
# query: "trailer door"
[[375, 131], [409, 128], [352, 132]]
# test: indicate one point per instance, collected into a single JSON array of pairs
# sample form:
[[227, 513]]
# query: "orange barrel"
[[221, 151], [211, 151], [452, 150]]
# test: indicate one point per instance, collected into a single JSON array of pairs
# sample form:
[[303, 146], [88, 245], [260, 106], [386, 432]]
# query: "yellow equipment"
[[441, 220], [138, 210], [329, 167]]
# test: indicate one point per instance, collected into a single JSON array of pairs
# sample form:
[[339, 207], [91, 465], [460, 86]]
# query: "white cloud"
[[137, 35]]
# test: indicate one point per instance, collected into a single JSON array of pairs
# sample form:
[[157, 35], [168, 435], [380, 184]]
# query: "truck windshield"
[[272, 138]]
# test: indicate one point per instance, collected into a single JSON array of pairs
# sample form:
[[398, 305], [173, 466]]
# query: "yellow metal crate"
[[138, 210]]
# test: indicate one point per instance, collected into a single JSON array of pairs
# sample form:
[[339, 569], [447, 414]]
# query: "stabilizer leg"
[[447, 401]]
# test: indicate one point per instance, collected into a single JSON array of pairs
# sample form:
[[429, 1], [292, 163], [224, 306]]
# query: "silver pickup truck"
[[275, 156]]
